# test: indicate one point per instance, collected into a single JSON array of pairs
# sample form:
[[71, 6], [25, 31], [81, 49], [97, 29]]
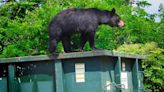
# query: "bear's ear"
[[113, 11]]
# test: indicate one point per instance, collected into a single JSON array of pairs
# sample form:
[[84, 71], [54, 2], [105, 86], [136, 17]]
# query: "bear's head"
[[115, 20]]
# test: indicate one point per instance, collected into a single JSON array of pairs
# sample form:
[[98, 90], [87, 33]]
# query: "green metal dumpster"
[[3, 78], [93, 71]]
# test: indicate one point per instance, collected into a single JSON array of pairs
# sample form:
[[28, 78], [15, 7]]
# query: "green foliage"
[[143, 3], [27, 35], [153, 65]]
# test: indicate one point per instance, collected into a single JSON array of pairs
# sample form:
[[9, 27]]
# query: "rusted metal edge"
[[71, 55]]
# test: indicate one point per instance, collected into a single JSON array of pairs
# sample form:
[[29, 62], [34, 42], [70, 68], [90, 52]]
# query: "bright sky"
[[154, 7]]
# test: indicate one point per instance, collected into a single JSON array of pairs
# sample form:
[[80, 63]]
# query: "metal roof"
[[71, 55]]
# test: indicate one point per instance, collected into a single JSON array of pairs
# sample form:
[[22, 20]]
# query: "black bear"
[[85, 21]]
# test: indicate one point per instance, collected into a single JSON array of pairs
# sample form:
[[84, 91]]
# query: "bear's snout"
[[121, 23]]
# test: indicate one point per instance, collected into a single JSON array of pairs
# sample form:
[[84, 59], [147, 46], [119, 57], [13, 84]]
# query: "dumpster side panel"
[[108, 73], [92, 75], [35, 77], [137, 76], [126, 74], [3, 84], [3, 78], [118, 73]]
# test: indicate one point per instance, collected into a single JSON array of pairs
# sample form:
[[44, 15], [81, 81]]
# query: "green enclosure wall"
[[98, 71]]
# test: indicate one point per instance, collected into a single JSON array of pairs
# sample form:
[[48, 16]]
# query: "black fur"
[[73, 20]]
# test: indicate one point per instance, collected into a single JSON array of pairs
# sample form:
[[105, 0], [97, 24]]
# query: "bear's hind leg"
[[92, 41], [83, 40]]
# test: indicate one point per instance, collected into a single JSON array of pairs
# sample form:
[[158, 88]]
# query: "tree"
[[161, 10]]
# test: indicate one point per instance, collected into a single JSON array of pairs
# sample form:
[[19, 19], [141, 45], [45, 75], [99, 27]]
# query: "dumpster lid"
[[71, 55]]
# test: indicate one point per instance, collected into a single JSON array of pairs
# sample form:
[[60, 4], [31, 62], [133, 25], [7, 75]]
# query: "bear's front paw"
[[81, 50], [94, 49]]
